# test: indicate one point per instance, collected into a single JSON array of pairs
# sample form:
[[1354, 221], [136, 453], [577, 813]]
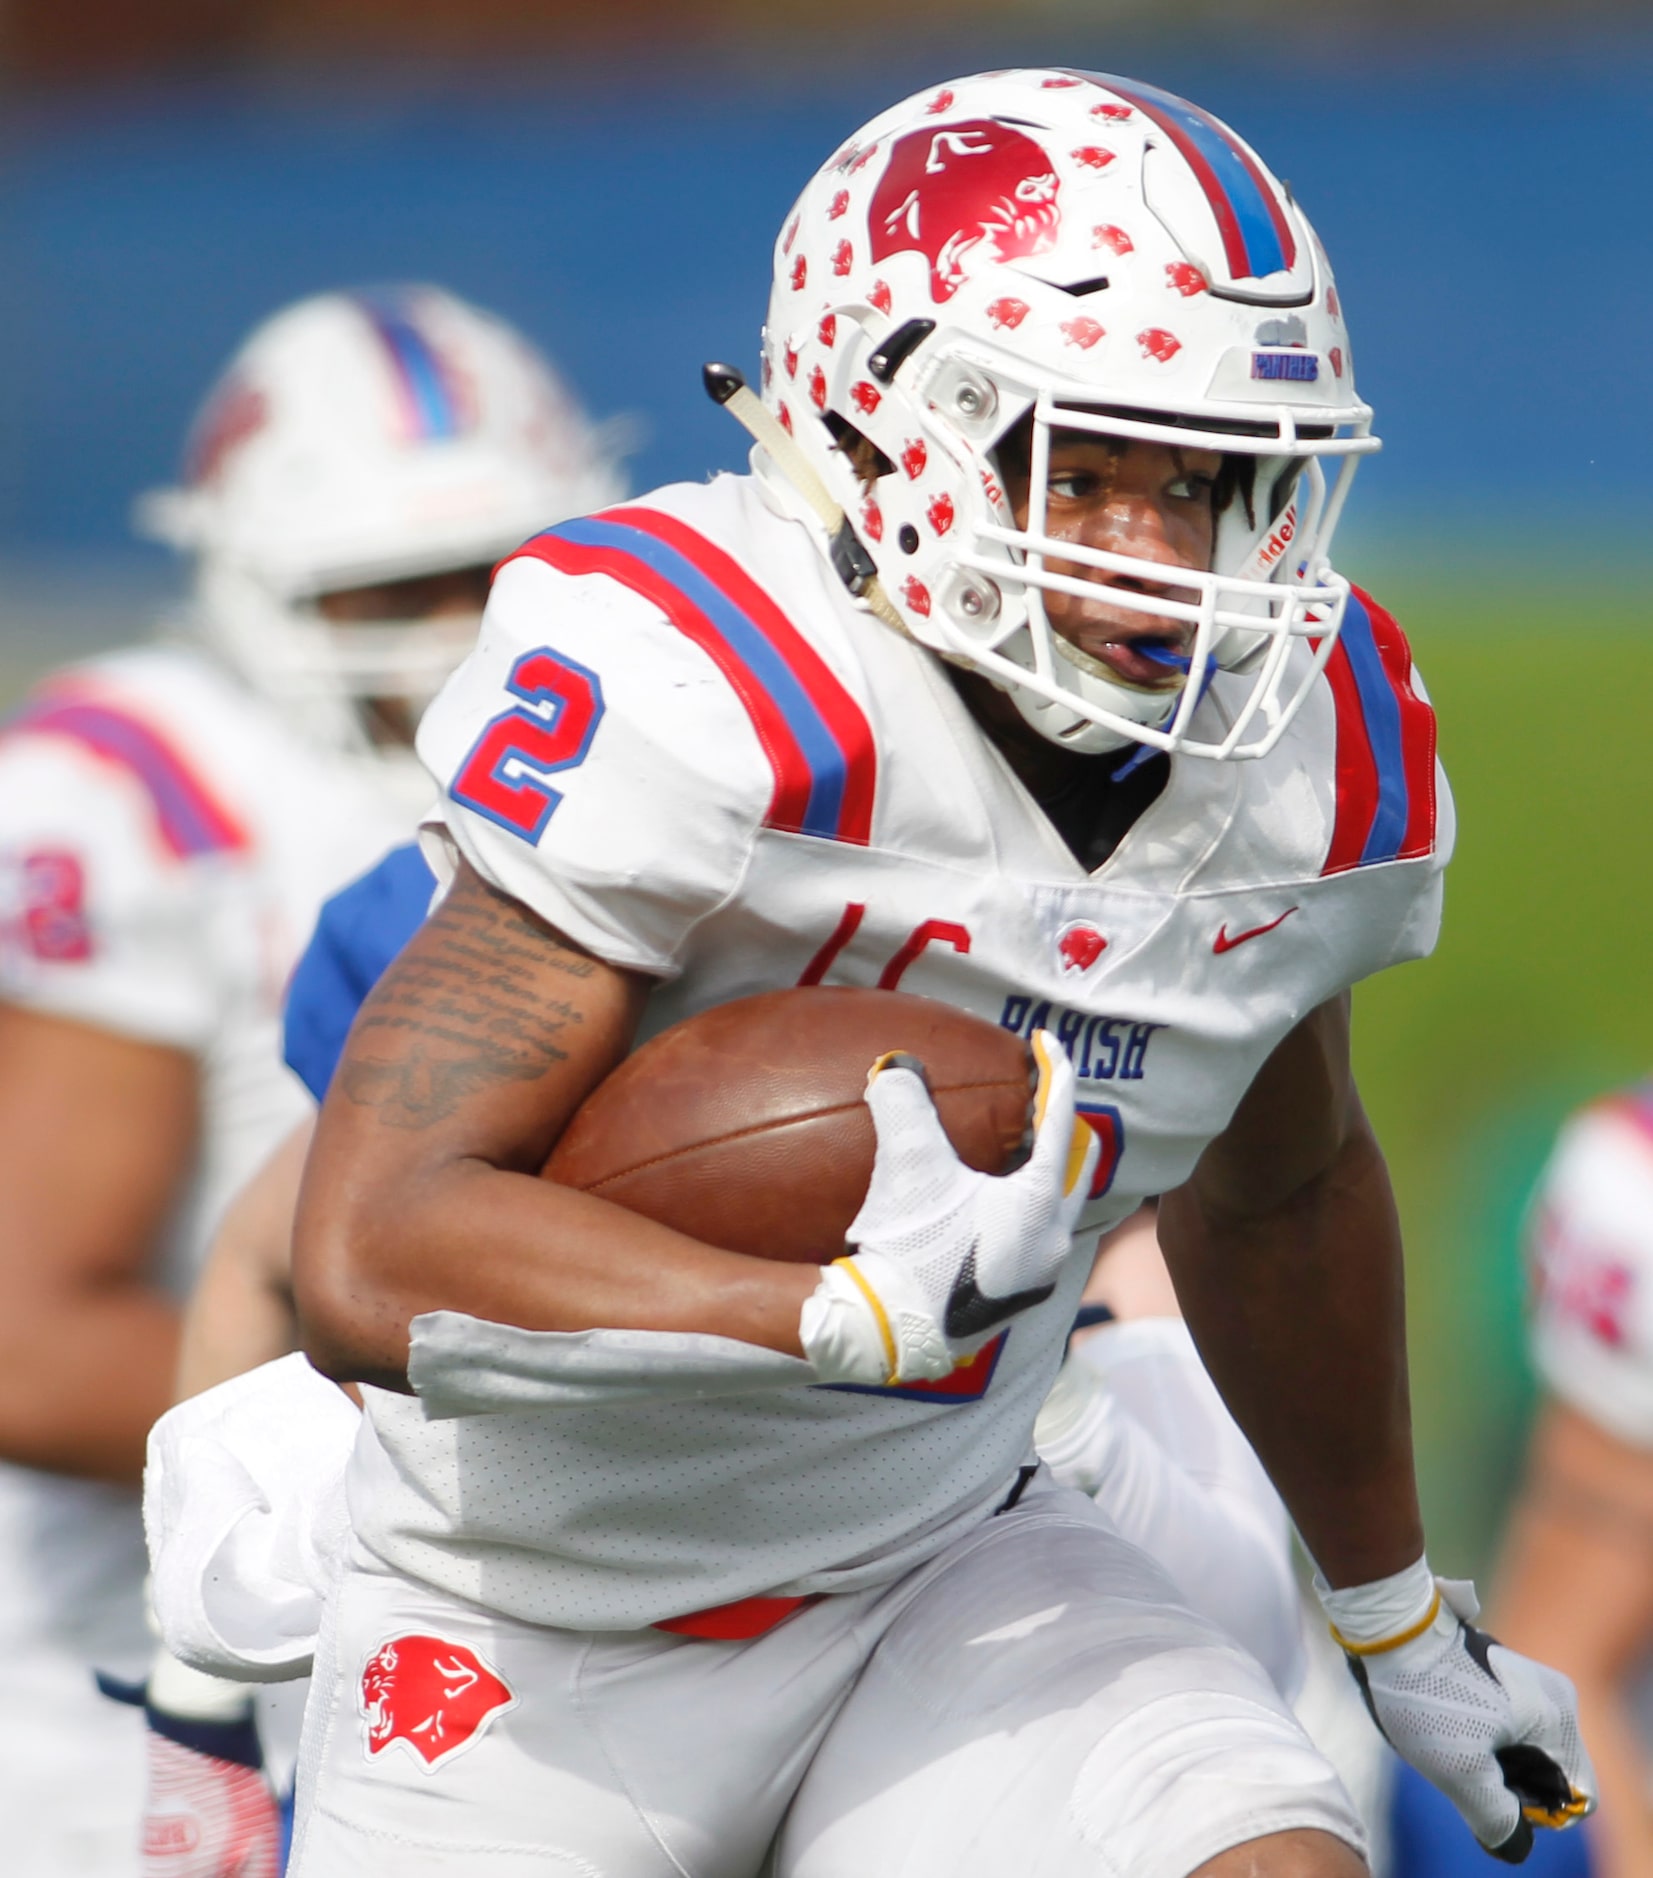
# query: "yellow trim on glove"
[[1384, 1645], [1558, 1818], [879, 1316], [1041, 1095], [1078, 1148]]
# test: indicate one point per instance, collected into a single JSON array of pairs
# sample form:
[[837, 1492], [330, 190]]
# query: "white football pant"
[[1034, 1700]]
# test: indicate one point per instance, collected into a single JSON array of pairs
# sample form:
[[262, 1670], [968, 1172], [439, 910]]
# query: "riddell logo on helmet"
[[1280, 539], [963, 193], [434, 1697]]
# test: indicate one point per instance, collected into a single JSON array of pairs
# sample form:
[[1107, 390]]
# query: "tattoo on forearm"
[[463, 1009]]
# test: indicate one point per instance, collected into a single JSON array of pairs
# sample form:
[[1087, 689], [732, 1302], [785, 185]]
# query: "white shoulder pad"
[[1374, 818], [102, 919], [1591, 1246], [596, 765]]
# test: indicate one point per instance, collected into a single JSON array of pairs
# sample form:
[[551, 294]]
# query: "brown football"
[[745, 1127]]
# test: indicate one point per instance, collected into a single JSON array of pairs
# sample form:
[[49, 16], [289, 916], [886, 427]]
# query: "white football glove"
[[1496, 1732], [945, 1256]]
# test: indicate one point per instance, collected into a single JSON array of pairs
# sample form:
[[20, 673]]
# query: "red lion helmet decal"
[[435, 1697], [952, 190]]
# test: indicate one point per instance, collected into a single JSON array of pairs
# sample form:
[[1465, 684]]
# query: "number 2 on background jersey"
[[503, 777]]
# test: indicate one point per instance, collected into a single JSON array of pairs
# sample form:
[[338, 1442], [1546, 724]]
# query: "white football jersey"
[[165, 845], [1591, 1245], [680, 743]]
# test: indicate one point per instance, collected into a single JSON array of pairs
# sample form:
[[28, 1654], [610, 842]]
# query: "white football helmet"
[[363, 438], [1070, 252]]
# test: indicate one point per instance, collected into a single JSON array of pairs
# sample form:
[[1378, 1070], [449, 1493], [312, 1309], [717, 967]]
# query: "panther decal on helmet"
[[956, 191]]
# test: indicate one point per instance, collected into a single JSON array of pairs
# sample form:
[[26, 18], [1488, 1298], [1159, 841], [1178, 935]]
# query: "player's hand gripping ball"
[[945, 1256], [747, 1127]]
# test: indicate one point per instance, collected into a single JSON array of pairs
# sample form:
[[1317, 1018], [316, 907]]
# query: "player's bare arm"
[[97, 1136], [1575, 1588], [422, 1192], [1285, 1249], [241, 1311]]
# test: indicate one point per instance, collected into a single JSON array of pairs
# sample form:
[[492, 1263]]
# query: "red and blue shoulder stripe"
[[190, 818], [817, 738], [1385, 744]]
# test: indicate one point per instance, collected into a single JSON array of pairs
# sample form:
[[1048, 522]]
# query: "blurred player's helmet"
[[1036, 251], [361, 439]]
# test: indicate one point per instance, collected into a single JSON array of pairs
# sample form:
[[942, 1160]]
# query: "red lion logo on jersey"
[[437, 1697], [1079, 947], [951, 191]]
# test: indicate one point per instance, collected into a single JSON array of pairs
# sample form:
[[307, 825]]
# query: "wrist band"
[[892, 1356], [1381, 1612], [1388, 1643]]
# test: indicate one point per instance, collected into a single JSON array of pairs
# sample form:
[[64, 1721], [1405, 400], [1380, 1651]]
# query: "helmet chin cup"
[[1028, 252]]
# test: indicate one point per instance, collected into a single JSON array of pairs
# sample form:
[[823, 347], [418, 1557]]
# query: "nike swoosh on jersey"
[[970, 1311], [1222, 942]]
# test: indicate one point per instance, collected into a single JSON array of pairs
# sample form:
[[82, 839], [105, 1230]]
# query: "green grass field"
[[1539, 994]]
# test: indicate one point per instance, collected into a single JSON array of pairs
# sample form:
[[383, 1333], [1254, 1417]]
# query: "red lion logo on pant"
[[434, 1697]]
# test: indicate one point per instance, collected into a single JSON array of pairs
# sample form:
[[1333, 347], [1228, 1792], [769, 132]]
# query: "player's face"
[[456, 595], [1152, 501]]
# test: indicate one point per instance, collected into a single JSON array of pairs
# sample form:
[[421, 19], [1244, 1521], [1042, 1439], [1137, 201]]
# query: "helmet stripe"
[[427, 396], [1257, 237], [190, 820], [816, 737], [1385, 745]]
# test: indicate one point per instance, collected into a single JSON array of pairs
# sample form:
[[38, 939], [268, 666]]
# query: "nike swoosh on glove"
[[1495, 1731], [946, 1256]]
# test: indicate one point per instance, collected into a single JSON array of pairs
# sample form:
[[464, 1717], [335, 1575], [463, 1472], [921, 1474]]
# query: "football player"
[[171, 817], [1575, 1580], [1017, 674]]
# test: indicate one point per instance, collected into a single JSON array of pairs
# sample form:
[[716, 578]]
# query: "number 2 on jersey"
[[503, 777]]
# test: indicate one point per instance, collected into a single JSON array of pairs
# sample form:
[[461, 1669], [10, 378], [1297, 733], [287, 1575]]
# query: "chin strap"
[[850, 559]]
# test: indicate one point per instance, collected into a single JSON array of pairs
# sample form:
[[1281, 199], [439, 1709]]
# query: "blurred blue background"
[[1482, 214]]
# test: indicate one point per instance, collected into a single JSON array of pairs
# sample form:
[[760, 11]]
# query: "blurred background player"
[[1575, 1581], [171, 817]]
